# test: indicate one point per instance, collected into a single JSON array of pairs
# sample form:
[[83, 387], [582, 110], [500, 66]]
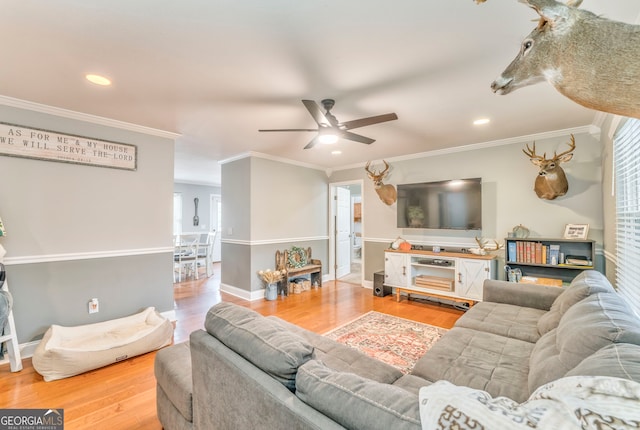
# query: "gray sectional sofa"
[[246, 371]]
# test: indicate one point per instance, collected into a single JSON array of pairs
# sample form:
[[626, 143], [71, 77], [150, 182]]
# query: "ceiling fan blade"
[[348, 125], [316, 113], [292, 129], [313, 143], [356, 137]]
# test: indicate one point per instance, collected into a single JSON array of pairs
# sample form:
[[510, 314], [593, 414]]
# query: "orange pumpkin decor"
[[405, 246]]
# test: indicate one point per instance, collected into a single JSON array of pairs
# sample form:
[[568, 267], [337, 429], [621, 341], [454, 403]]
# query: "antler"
[[531, 153], [376, 175], [572, 147], [385, 168], [367, 168], [481, 243]]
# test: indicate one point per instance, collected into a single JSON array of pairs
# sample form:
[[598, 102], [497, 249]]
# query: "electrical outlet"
[[94, 306]]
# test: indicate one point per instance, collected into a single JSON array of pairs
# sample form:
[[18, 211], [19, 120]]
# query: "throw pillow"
[[585, 284], [265, 343], [355, 402]]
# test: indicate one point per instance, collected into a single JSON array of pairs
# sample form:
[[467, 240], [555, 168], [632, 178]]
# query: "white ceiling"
[[216, 71]]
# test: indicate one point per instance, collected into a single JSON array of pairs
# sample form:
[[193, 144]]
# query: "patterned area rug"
[[396, 341]]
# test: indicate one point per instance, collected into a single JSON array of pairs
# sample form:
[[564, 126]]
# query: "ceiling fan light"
[[328, 138]]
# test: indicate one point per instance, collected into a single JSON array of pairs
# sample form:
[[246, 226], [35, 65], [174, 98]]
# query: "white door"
[[216, 224], [343, 232]]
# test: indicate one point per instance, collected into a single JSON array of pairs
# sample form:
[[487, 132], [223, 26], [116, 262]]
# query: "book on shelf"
[[554, 254], [512, 251]]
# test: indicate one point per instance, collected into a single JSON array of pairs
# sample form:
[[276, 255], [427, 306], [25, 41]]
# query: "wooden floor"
[[122, 396]]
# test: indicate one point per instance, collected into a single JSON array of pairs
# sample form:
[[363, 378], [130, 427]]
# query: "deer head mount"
[[551, 181], [587, 58], [386, 192]]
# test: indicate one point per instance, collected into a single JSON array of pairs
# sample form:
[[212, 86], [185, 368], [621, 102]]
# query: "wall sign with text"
[[18, 141]]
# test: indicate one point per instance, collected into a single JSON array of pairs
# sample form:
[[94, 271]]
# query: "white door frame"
[[332, 225], [213, 216]]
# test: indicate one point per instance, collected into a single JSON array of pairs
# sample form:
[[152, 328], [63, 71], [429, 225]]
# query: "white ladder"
[[13, 349], [10, 336]]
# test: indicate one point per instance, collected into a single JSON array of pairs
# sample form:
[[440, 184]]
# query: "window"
[[627, 185], [177, 213]]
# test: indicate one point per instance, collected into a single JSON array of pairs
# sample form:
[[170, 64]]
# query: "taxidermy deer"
[[587, 58], [551, 181], [386, 192]]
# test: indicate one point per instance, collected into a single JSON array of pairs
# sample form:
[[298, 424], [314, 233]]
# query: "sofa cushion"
[[411, 383], [503, 319], [480, 360], [265, 343], [571, 403], [356, 402], [620, 360], [342, 357], [589, 325], [585, 284]]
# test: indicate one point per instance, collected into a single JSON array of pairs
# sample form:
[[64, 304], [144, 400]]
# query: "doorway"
[[346, 251]]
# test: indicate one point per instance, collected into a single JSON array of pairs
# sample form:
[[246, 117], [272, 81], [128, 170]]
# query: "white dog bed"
[[69, 351]]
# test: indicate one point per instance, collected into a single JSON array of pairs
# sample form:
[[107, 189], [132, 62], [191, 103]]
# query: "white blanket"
[[575, 402]]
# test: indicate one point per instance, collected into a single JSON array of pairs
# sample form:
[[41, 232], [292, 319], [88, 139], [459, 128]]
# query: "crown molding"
[[591, 129], [94, 119], [254, 154]]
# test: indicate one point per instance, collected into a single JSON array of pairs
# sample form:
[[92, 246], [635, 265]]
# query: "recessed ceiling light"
[[336, 152], [481, 121], [98, 80]]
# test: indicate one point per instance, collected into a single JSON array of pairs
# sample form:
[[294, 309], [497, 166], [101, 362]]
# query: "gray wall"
[[203, 193], [77, 232], [269, 205], [508, 197]]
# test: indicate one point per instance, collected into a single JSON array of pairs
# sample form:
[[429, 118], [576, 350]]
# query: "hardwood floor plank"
[[122, 395]]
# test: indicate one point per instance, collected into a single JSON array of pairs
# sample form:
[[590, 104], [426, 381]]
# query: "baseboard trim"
[[243, 294], [26, 351]]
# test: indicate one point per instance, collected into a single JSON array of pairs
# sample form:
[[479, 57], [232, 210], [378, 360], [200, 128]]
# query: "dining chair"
[[211, 238], [185, 256], [205, 252]]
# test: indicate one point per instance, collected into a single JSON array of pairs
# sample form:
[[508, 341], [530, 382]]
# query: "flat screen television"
[[448, 205]]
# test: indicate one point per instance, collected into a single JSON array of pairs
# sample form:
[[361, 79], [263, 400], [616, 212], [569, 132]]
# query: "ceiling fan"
[[330, 130]]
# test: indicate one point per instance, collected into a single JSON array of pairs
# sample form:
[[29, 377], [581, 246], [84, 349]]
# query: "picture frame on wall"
[[576, 231]]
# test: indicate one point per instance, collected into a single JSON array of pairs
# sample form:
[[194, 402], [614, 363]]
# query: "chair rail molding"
[[34, 259], [273, 241]]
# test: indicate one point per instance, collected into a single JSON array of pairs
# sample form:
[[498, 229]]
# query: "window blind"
[[626, 149]]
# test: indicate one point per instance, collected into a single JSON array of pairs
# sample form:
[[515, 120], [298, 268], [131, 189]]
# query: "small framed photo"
[[576, 231]]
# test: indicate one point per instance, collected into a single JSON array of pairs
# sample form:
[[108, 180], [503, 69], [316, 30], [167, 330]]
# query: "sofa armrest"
[[525, 295], [231, 393]]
